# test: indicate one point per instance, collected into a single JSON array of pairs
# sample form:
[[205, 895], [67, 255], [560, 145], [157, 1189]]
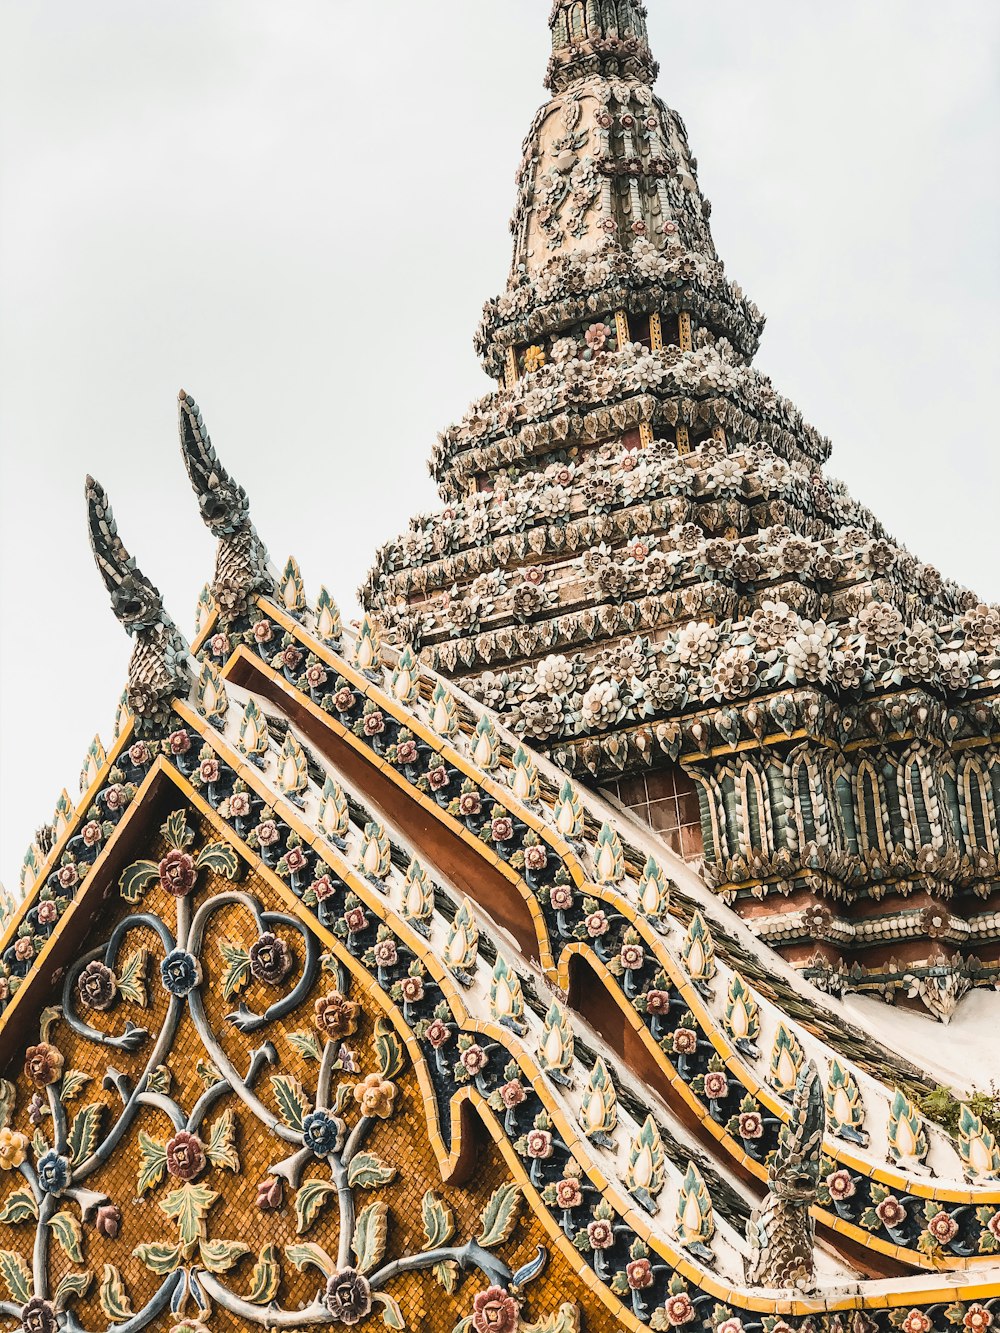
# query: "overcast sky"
[[296, 210]]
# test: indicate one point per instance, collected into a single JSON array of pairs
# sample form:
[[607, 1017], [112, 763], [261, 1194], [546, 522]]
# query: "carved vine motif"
[[182, 1171]]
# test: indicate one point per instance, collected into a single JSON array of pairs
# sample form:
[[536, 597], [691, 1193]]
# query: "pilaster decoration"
[[781, 1231], [158, 669], [241, 566]]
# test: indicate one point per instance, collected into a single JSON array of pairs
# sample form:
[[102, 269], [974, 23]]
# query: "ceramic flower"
[[348, 1297], [323, 1133], [180, 973], [494, 1311], [185, 1156], [98, 986], [270, 959], [43, 1064], [13, 1149], [376, 1096], [38, 1316], [177, 873], [335, 1016]]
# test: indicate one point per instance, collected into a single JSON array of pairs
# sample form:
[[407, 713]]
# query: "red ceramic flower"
[[916, 1322], [679, 1310], [336, 1016], [601, 1235], [177, 873], [438, 1033], [185, 1156], [943, 1227], [494, 1311], [639, 1274], [890, 1212], [43, 1064], [977, 1318], [840, 1184], [569, 1193]]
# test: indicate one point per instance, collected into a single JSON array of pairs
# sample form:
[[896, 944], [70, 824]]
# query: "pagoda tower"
[[642, 566]]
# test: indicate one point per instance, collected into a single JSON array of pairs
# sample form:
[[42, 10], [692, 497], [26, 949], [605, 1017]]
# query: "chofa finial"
[[158, 668], [241, 568], [781, 1230]]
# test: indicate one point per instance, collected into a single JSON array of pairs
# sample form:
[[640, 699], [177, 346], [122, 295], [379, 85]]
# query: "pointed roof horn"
[[134, 600], [158, 668], [241, 568]]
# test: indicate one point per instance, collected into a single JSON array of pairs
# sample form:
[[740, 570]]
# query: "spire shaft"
[[599, 37]]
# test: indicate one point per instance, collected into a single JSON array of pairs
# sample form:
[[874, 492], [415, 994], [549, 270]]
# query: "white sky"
[[296, 210]]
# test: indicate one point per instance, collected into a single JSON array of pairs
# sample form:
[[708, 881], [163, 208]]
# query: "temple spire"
[[599, 37]]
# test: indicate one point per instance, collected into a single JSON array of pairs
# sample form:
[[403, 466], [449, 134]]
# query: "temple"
[[486, 966]]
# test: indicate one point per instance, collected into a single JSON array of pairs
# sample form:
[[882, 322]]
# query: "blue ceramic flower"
[[323, 1133], [53, 1172], [180, 972]]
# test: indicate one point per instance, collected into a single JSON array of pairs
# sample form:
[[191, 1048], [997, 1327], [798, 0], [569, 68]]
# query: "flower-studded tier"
[[643, 567]]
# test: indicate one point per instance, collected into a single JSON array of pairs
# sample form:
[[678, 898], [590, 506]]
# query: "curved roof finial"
[[158, 668], [241, 568]]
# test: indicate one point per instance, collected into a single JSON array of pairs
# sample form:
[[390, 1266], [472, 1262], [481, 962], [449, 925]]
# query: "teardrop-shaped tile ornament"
[[204, 610], [293, 768], [462, 945], [31, 868], [608, 856], [375, 852], [444, 712], [334, 813], [418, 898], [329, 625], [907, 1136], [978, 1146], [486, 745], [654, 891], [524, 777], [123, 716], [64, 813], [293, 594], [93, 762], [367, 646], [507, 997], [210, 696], [568, 813], [253, 737], [555, 1050], [695, 1225], [742, 1016], [405, 683], [599, 1112], [645, 1174], [845, 1108], [787, 1059], [698, 950]]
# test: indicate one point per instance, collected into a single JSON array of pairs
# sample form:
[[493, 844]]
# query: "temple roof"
[[403, 825]]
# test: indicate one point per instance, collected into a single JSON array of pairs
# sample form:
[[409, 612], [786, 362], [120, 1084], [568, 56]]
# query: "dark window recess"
[[698, 434], [632, 439], [484, 483], [671, 326], [667, 801], [638, 330]]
